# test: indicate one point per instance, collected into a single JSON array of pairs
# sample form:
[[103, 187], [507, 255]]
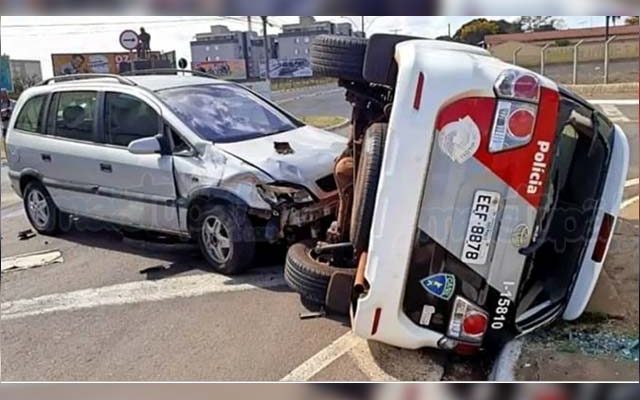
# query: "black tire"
[[55, 219], [338, 56], [239, 232], [366, 186], [306, 275]]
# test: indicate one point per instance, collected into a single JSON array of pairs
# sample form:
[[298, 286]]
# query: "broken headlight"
[[274, 194]]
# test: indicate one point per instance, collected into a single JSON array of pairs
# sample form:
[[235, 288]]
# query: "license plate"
[[481, 225]]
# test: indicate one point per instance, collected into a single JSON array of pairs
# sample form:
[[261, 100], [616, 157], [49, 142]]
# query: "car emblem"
[[440, 285], [520, 236]]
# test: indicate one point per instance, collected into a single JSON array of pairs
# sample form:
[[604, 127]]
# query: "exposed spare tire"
[[307, 275], [366, 186], [338, 56]]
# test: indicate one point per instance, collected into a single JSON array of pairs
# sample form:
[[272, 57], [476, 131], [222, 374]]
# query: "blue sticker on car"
[[440, 285]]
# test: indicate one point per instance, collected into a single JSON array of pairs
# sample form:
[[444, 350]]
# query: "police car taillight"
[[468, 321], [518, 94], [518, 85]]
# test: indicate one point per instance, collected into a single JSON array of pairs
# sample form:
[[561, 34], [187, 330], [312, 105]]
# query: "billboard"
[[287, 68], [290, 68], [84, 63], [226, 69], [6, 82]]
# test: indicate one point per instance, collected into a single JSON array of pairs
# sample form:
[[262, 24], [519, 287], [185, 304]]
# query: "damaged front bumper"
[[297, 216], [287, 217]]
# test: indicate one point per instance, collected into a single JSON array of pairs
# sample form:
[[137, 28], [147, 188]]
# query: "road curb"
[[602, 89], [504, 369], [312, 94], [335, 127]]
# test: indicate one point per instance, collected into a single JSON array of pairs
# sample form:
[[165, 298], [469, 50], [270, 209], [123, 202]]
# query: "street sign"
[[6, 81], [129, 39]]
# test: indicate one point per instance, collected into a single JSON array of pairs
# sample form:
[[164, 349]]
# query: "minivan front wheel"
[[226, 239], [41, 210]]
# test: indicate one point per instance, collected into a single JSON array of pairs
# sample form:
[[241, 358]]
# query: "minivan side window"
[[127, 118], [29, 117], [75, 115]]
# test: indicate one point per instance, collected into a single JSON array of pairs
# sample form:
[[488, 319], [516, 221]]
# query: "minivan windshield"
[[225, 113]]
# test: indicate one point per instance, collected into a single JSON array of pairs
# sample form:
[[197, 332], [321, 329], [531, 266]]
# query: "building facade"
[[26, 71], [221, 49]]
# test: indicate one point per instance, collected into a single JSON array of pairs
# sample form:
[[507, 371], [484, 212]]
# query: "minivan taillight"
[[606, 228]]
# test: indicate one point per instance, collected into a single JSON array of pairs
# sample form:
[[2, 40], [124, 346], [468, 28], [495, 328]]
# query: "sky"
[[36, 38]]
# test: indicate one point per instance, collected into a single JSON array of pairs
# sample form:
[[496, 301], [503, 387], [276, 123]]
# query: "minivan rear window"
[[29, 117]]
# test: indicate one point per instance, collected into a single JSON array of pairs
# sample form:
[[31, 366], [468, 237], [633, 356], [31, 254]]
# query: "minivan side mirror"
[[147, 145]]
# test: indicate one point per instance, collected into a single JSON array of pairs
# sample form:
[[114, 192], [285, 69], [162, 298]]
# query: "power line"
[[172, 24], [168, 21]]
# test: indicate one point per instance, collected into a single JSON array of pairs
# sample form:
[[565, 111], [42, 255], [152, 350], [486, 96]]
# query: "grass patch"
[[295, 83], [323, 121]]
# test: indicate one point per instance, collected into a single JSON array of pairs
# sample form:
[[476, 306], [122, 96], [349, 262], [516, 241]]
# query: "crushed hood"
[[300, 156]]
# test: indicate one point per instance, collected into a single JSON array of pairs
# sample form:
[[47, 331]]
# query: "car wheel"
[[226, 238], [366, 186], [42, 212], [307, 275], [338, 56]]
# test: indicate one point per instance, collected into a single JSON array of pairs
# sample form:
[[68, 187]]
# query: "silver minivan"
[[180, 154]]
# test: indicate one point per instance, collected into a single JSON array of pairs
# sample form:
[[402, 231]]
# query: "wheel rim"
[[38, 209], [216, 239]]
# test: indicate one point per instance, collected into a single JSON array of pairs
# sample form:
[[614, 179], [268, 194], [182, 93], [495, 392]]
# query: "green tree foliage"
[[473, 32], [633, 20], [540, 23]]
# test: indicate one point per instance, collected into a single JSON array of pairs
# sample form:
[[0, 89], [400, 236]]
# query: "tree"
[[540, 23], [631, 20], [509, 27], [474, 31]]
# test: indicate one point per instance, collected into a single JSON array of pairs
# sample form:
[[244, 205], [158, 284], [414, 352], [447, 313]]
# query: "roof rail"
[[167, 70], [74, 77]]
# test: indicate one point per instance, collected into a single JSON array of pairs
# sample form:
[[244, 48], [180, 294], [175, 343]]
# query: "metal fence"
[[614, 61]]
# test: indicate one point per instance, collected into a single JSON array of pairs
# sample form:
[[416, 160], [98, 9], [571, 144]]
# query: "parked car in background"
[[186, 155]]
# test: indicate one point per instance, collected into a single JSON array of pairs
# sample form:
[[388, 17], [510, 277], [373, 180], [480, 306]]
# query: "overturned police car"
[[482, 202]]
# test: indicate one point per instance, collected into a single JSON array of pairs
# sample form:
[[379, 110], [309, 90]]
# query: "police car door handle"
[[46, 157]]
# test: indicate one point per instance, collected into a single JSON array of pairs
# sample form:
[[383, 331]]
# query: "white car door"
[[138, 189]]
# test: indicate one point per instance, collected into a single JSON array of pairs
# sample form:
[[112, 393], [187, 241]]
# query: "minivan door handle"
[[46, 157], [105, 167]]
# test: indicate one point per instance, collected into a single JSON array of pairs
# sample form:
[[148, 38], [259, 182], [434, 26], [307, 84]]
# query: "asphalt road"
[[116, 309]]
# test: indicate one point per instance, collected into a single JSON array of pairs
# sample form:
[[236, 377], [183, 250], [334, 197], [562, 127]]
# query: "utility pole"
[[249, 24], [606, 29], [449, 29], [266, 47], [362, 26]]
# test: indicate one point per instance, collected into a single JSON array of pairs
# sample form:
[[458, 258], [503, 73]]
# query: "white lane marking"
[[620, 102], [632, 182], [31, 260], [613, 113], [629, 202], [12, 211], [323, 358], [139, 292]]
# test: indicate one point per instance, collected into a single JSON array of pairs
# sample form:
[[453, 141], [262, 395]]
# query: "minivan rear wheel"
[[226, 238], [42, 212]]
